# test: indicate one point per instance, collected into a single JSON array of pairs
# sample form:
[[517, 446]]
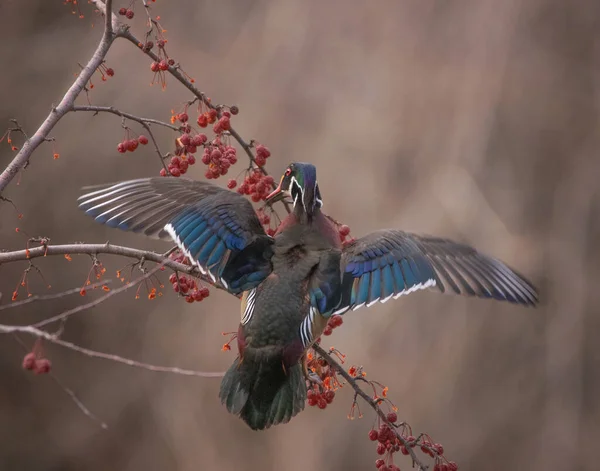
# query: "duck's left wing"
[[390, 263], [216, 228]]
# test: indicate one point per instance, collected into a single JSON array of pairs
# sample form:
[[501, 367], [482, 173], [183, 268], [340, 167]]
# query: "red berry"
[[154, 67], [143, 140], [129, 14], [161, 43], [328, 330], [379, 463], [175, 161], [171, 62], [184, 138], [262, 150], [172, 278], [163, 172], [148, 46], [189, 299], [132, 145], [439, 448], [202, 121], [183, 117], [234, 110], [110, 72], [163, 65], [42, 366], [224, 123], [231, 184], [191, 159], [373, 435], [344, 230], [175, 171], [392, 417], [29, 361], [329, 396], [322, 403], [205, 292], [310, 393], [452, 466], [403, 450], [312, 401], [122, 11], [121, 148], [260, 160], [381, 449]]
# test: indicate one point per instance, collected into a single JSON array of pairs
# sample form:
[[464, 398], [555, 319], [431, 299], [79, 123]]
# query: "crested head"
[[299, 182]]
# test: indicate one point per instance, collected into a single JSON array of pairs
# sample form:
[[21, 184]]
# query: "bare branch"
[[64, 315], [94, 249], [48, 297], [22, 158], [7, 329], [122, 114]]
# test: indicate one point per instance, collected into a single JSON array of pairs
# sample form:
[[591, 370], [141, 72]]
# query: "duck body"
[[266, 385], [290, 284]]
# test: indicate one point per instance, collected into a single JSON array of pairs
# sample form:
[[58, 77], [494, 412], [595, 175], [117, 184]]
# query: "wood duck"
[[290, 284]]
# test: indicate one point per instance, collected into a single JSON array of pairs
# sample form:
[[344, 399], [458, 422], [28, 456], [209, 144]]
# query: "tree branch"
[[122, 114], [48, 297], [175, 72], [31, 330], [95, 249], [31, 144], [369, 400]]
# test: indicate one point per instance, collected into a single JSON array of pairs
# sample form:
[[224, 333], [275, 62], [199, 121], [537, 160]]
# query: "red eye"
[[288, 172]]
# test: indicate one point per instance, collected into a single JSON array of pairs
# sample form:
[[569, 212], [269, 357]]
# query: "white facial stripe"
[[318, 200]]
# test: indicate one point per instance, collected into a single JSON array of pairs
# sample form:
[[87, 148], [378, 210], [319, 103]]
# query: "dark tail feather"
[[262, 394]]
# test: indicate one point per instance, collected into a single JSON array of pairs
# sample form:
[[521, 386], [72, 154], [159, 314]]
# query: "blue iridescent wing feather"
[[216, 228], [391, 263]]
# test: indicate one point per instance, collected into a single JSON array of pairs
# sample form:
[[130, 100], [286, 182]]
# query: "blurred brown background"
[[472, 120]]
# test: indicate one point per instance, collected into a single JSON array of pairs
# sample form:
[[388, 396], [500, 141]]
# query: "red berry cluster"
[[105, 71], [257, 185], [320, 399], [321, 394], [160, 66], [37, 365], [131, 144], [208, 117], [333, 322], [389, 443], [189, 288], [218, 157], [223, 123], [262, 154], [127, 12]]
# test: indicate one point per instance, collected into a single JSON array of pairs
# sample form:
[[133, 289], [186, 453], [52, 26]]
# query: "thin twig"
[[29, 329], [48, 297], [64, 315], [82, 407], [123, 114], [94, 249]]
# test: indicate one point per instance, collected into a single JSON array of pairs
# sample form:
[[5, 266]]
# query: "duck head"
[[299, 182]]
